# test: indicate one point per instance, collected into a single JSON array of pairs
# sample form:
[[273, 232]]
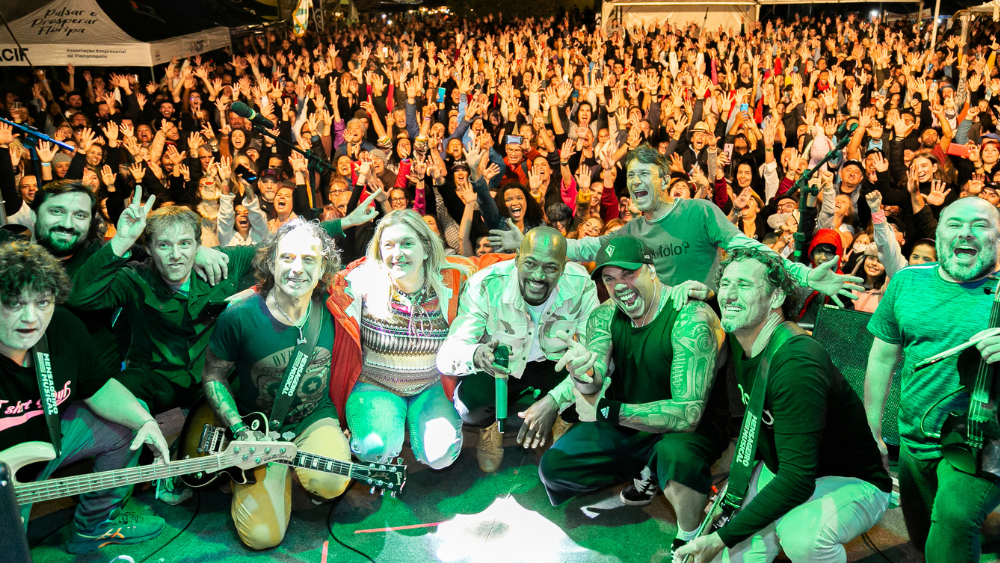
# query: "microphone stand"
[[31, 139], [805, 190], [316, 163]]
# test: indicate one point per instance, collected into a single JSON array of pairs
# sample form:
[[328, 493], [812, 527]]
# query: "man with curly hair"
[[821, 482], [259, 337], [98, 417]]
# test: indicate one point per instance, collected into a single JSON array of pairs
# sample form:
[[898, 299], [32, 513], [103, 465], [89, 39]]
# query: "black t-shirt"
[[813, 425], [76, 374]]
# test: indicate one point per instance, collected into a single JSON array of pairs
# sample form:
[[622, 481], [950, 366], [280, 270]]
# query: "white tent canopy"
[[78, 32], [708, 15]]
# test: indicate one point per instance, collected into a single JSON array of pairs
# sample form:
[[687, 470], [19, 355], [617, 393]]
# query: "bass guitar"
[[970, 439], [212, 437], [244, 455]]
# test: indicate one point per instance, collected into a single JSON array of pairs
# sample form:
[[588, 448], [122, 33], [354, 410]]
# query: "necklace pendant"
[[300, 341]]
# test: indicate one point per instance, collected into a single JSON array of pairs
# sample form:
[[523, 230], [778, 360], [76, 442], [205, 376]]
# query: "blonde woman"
[[393, 308]]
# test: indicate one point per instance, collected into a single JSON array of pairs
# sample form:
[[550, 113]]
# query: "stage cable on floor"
[[197, 509], [871, 545], [329, 524]]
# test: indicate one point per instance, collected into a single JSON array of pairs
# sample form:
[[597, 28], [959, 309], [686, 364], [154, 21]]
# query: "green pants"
[[944, 526]]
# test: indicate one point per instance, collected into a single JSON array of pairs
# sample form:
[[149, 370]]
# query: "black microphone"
[[247, 112]]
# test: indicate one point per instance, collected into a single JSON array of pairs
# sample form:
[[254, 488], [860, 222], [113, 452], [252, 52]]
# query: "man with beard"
[[522, 304], [950, 290], [685, 235], [645, 391], [819, 483], [259, 337]]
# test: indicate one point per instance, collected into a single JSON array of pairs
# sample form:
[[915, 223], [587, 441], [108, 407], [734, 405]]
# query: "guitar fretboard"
[[41, 491]]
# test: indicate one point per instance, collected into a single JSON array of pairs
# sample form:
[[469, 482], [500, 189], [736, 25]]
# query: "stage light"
[[506, 532], [389, 22]]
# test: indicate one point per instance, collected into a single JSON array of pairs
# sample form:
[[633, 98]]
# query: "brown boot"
[[489, 453], [560, 427]]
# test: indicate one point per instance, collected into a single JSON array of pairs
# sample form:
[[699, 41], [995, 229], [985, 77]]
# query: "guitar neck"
[[49, 489], [315, 462]]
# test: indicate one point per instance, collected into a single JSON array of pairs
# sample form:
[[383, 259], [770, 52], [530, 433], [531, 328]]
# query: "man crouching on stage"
[[98, 417], [821, 483], [259, 337]]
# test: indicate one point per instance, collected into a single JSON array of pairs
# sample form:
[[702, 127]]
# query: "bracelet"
[[608, 411], [879, 217], [44, 164]]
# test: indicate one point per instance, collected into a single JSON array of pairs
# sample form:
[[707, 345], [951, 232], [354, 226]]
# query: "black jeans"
[[475, 396]]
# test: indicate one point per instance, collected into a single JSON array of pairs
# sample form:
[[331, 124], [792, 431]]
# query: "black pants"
[[159, 393], [594, 455], [475, 396]]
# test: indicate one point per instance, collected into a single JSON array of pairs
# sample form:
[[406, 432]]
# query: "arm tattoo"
[[697, 336], [599, 336], [217, 391]]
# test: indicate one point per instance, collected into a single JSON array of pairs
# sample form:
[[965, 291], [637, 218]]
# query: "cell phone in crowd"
[[744, 107], [958, 150], [245, 174], [441, 92], [728, 150], [514, 139]]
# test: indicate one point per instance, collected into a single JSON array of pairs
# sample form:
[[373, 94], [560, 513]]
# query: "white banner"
[[78, 32]]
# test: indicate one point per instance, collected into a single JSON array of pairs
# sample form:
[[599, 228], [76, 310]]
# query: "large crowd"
[[459, 185]]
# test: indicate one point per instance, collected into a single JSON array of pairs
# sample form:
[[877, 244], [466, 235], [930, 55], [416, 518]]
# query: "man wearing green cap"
[[660, 408]]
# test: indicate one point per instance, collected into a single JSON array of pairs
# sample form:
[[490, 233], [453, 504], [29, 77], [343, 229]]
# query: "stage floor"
[[503, 517]]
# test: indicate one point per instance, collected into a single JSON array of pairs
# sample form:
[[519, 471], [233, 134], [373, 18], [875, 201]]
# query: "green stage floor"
[[504, 517]]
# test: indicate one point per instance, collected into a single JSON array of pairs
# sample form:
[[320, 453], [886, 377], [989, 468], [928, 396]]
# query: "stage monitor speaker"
[[844, 334]]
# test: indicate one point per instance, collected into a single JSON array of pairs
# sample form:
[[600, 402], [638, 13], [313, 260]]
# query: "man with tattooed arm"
[[659, 408]]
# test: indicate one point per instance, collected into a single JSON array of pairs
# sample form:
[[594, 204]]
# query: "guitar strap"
[[47, 388], [296, 366], [741, 470]]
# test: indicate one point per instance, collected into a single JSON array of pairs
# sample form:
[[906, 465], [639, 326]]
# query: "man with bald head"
[[927, 309], [522, 304]]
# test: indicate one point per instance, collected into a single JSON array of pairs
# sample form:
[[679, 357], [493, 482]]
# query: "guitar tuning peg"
[[399, 461], [381, 492], [393, 494], [372, 491]]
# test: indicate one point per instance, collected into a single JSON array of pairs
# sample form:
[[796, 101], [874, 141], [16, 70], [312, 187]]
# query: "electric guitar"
[[213, 438], [245, 455], [970, 440]]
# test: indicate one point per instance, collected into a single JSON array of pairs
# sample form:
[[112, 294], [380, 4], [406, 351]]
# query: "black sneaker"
[[641, 491]]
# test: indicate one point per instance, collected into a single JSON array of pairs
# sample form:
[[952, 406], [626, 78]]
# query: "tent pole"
[[934, 22]]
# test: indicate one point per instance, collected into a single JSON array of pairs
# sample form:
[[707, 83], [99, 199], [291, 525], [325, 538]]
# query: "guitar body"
[[27, 453], [970, 439], [203, 435], [190, 445]]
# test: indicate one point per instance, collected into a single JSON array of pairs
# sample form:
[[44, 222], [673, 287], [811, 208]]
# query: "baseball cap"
[[624, 251], [461, 164], [272, 174], [989, 138], [380, 154], [853, 162]]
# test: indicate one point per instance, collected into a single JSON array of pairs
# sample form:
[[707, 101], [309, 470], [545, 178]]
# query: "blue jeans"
[[379, 419]]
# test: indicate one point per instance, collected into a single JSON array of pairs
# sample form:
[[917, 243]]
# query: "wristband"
[[879, 217], [608, 411], [238, 427], [44, 164]]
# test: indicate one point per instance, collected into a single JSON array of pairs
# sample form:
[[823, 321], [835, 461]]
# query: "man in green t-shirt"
[[685, 235], [259, 337], [659, 407], [820, 482], [928, 309]]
